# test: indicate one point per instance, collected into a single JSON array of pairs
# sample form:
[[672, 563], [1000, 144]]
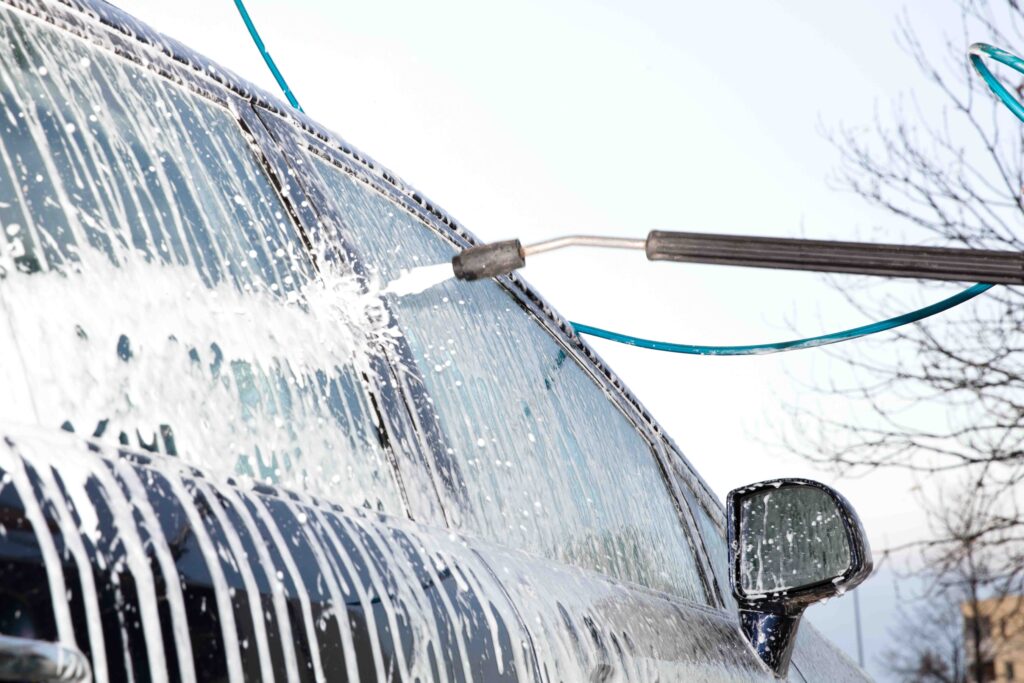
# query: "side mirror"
[[792, 542]]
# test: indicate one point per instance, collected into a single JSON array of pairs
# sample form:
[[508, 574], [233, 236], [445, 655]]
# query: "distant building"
[[1001, 622]]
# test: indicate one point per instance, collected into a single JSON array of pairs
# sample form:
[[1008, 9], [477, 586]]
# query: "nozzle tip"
[[489, 260]]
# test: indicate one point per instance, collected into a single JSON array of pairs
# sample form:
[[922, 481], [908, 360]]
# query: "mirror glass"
[[791, 536]]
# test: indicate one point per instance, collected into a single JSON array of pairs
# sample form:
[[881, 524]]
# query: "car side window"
[[551, 465], [160, 295]]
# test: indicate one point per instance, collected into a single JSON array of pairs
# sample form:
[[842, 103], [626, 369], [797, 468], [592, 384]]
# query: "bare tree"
[[947, 401], [947, 626], [942, 634], [927, 646]]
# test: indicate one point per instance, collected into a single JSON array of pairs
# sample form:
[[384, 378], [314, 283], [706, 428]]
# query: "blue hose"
[[976, 52], [793, 344], [266, 56], [979, 50]]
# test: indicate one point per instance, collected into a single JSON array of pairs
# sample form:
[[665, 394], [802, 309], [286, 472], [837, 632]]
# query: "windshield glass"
[[157, 293]]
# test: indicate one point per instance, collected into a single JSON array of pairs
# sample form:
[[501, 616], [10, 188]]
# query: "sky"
[[547, 117]]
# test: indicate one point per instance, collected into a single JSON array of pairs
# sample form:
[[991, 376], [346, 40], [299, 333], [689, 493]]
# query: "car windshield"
[[156, 291]]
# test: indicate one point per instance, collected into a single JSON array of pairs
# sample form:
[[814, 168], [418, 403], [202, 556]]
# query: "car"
[[229, 452]]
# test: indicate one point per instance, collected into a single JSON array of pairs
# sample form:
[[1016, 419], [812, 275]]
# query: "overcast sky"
[[539, 118]]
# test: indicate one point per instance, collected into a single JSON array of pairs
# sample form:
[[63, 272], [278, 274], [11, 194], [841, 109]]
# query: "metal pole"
[[584, 241]]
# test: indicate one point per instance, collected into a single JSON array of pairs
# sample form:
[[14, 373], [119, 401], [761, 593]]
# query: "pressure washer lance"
[[887, 260]]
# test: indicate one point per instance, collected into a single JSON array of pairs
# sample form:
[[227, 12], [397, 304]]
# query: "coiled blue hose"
[[976, 52], [979, 50]]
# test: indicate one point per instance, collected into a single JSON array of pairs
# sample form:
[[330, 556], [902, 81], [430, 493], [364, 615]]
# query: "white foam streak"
[[335, 590], [389, 610], [409, 594], [73, 539], [279, 598], [15, 467], [221, 593], [300, 589], [360, 591], [165, 560], [138, 565], [241, 560]]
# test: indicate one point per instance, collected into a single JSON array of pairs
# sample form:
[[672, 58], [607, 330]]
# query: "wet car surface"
[[227, 455]]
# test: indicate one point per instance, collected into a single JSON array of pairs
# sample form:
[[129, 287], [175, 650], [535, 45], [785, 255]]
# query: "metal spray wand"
[[887, 260]]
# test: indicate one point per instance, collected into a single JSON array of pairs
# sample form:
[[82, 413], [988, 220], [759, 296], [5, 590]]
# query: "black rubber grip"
[[489, 260], [890, 260]]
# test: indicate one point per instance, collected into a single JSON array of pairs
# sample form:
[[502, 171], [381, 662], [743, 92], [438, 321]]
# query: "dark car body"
[[226, 456]]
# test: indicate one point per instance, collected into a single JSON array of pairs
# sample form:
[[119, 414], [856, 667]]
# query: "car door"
[[200, 478], [156, 573], [554, 478]]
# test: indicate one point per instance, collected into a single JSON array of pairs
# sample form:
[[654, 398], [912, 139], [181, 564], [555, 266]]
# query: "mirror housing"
[[792, 542]]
